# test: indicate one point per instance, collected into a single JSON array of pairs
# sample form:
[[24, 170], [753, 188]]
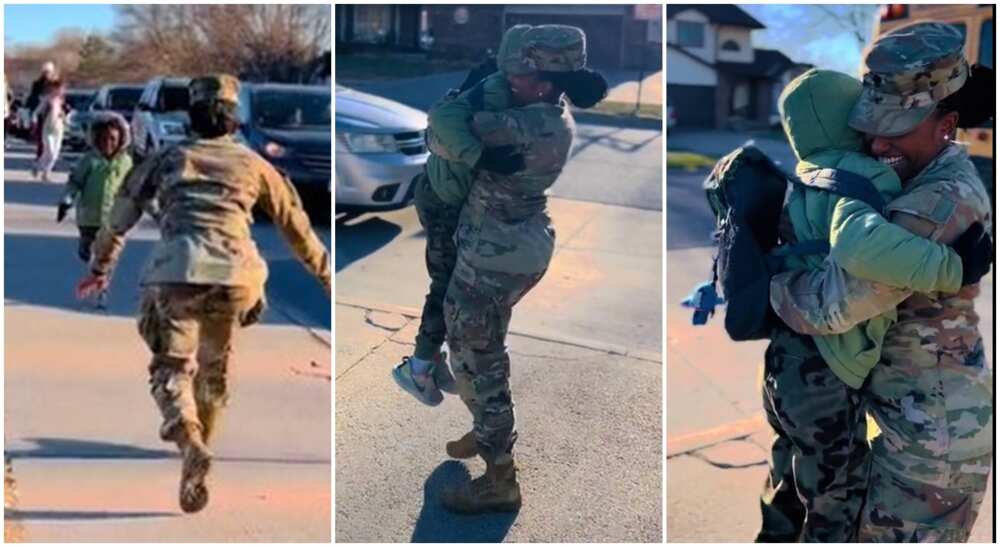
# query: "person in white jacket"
[[51, 115]]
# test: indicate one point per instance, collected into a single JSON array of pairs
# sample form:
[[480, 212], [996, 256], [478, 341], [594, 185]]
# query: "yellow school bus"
[[976, 23]]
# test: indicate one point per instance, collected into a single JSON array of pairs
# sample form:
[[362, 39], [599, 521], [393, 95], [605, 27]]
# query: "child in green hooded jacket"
[[814, 112], [95, 179]]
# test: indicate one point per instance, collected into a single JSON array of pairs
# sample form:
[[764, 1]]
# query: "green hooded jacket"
[[454, 147], [95, 179], [814, 112]]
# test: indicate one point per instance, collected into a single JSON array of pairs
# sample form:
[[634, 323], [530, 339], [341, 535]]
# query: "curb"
[[616, 120], [613, 349], [684, 444]]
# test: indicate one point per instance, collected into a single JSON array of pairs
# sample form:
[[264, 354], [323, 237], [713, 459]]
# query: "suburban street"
[[717, 438], [82, 429], [586, 361]]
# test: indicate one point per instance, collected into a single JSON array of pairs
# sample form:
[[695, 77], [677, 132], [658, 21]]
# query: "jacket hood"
[[815, 108], [103, 117]]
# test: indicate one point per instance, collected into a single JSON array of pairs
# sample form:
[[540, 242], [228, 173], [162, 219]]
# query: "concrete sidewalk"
[[589, 445], [717, 439]]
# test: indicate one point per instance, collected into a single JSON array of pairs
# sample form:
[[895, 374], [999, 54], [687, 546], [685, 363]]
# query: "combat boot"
[[496, 491], [197, 462], [463, 448]]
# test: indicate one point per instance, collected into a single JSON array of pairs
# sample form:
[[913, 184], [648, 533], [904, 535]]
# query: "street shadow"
[[690, 222], [437, 525], [58, 448], [356, 240], [33, 193], [48, 514], [42, 270], [610, 138]]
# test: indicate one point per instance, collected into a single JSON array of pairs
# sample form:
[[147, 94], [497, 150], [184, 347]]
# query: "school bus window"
[[986, 44]]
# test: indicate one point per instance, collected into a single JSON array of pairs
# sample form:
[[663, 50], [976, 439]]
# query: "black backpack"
[[747, 193]]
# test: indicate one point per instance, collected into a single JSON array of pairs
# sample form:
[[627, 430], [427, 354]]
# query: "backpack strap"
[[844, 183]]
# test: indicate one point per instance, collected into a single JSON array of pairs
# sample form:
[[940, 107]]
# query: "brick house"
[[619, 36], [715, 77]]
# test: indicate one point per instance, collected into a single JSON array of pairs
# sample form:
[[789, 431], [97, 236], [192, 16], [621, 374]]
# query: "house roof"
[[767, 63], [723, 14]]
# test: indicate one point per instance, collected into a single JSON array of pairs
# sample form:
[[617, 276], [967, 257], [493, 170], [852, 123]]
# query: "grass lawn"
[[369, 67], [689, 161], [646, 110]]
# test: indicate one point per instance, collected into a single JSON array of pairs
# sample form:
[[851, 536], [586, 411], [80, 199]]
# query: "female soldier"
[[505, 240], [932, 393]]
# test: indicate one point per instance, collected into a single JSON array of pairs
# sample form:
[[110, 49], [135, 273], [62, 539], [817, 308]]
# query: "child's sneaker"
[[443, 377], [421, 386]]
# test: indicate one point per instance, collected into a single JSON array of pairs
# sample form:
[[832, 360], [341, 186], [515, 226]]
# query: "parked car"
[[380, 151], [78, 104], [120, 98], [160, 117], [290, 126]]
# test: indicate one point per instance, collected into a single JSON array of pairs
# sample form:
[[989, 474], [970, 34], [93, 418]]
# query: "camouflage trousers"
[[190, 329], [903, 508], [439, 221], [819, 455], [478, 308]]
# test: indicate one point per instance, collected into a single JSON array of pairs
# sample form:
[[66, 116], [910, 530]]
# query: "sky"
[[39, 23], [808, 34]]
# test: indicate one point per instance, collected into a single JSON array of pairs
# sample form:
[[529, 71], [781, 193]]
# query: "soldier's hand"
[[505, 160], [975, 248], [91, 285]]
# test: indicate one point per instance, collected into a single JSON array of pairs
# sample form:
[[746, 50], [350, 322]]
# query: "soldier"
[[932, 393], [205, 277], [504, 244]]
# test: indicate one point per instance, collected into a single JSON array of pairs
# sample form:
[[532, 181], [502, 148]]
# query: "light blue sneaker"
[[421, 386]]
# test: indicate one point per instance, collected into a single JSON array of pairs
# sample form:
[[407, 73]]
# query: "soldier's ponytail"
[[975, 101], [211, 119], [584, 87]]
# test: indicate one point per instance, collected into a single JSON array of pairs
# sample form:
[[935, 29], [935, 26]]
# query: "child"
[[95, 180], [51, 116]]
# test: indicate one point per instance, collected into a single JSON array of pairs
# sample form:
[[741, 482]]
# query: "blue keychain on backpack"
[[703, 300]]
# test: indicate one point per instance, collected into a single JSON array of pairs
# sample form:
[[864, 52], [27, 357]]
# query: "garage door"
[[694, 105], [604, 34]]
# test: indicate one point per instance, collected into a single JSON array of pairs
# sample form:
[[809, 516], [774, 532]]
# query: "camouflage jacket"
[[205, 191], [504, 226], [935, 332], [454, 147]]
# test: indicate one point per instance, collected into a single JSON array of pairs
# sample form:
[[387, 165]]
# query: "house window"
[[690, 34], [372, 23], [730, 45]]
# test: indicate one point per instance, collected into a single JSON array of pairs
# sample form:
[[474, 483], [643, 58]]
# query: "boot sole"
[[457, 454]]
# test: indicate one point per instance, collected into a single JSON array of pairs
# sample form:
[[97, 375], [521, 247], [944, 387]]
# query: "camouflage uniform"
[[505, 241], [204, 277], [932, 394]]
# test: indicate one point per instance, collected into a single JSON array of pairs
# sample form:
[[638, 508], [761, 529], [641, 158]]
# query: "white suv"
[[160, 116]]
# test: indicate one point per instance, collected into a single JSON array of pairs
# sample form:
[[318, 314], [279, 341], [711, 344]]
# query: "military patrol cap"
[[907, 72], [220, 87], [551, 48]]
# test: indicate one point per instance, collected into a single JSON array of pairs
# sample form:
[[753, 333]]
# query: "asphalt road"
[[88, 461]]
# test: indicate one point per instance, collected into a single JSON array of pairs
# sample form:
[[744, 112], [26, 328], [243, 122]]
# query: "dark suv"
[[290, 126]]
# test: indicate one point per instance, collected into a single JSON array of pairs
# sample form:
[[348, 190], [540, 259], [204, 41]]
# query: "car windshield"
[[124, 98], [79, 101], [174, 98], [291, 109]]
